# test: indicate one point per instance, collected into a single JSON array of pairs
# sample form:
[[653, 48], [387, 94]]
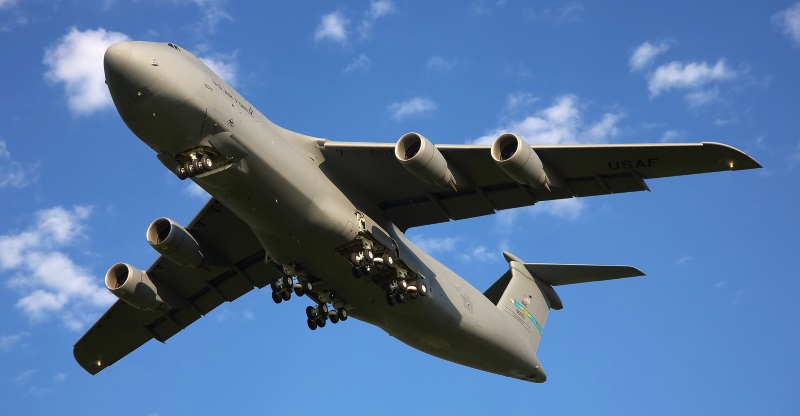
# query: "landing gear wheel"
[[354, 259], [334, 319], [356, 272], [422, 289], [190, 170], [207, 163], [299, 291], [401, 298], [287, 281], [388, 260], [323, 309], [321, 323], [390, 299], [369, 255], [198, 166], [342, 312], [413, 294], [310, 312], [402, 284], [312, 324], [286, 295], [276, 297], [181, 172]]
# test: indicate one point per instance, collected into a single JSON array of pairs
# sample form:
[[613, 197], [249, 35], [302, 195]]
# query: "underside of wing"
[[236, 265], [370, 173]]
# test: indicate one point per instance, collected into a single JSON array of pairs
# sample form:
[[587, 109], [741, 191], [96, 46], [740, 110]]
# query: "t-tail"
[[525, 292]]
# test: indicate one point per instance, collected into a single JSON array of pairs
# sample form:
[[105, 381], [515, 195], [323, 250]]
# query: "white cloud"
[[194, 190], [48, 280], [214, 12], [410, 107], [440, 64], [12, 173], [7, 3], [333, 27], [377, 10], [224, 66], [646, 53], [789, 22], [700, 98], [76, 61], [565, 209], [670, 135], [435, 244], [683, 260], [519, 100], [362, 63], [8, 342], [562, 122], [692, 75], [560, 12]]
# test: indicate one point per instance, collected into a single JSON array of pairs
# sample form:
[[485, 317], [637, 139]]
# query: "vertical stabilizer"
[[525, 301]]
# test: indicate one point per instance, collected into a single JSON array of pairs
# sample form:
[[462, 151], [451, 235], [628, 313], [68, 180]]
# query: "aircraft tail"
[[526, 291]]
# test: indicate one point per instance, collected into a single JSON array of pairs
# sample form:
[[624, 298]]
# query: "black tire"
[[390, 299], [310, 312], [207, 163], [422, 289], [321, 323], [298, 291], [181, 172], [286, 295], [198, 166], [334, 319], [342, 314], [312, 324], [413, 294], [388, 260], [276, 297], [323, 309], [356, 272], [400, 298], [190, 170]]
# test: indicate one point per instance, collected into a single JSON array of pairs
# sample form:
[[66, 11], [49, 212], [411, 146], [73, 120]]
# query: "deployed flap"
[[483, 187], [567, 274], [239, 267]]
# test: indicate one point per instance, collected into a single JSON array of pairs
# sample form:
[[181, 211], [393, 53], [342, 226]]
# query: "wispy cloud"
[[692, 76], [788, 21], [377, 10], [9, 342], [12, 173], [519, 100], [213, 12], [646, 53], [223, 65], [562, 122], [558, 13], [49, 282], [362, 63], [76, 62], [332, 27], [411, 107], [195, 191], [440, 64], [435, 244]]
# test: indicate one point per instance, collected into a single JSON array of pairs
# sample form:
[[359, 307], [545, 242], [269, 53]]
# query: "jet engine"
[[519, 161], [133, 286], [420, 157], [174, 242]]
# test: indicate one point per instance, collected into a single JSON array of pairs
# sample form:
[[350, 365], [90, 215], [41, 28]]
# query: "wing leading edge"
[[236, 266], [483, 188]]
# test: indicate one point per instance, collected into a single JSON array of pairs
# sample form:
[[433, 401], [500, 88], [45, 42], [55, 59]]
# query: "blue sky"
[[710, 330]]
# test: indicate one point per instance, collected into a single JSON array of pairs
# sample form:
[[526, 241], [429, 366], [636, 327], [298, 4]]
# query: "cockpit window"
[[174, 46]]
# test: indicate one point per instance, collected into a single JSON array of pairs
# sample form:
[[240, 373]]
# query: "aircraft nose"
[[116, 59]]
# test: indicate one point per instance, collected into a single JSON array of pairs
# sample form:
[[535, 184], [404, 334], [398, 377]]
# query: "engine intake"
[[519, 161], [174, 242], [420, 157], [133, 286]]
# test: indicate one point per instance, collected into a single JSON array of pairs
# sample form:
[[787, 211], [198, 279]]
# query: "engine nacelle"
[[519, 161], [133, 286], [174, 242], [420, 157]]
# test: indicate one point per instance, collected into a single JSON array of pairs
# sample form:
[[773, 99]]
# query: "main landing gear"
[[329, 306], [197, 161], [382, 265]]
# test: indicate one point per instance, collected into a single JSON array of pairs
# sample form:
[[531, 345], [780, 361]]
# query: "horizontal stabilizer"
[[567, 274]]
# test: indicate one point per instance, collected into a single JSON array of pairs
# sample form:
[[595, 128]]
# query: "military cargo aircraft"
[[325, 220]]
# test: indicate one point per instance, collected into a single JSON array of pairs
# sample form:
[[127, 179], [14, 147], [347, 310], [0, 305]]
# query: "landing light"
[[730, 165], [99, 363]]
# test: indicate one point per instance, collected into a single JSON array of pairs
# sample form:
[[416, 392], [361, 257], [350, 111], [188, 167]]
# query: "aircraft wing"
[[237, 267], [371, 174]]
